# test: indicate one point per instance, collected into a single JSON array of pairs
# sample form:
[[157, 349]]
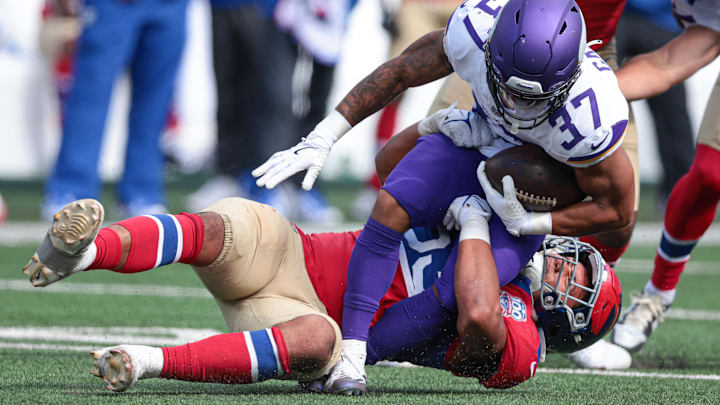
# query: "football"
[[541, 182]]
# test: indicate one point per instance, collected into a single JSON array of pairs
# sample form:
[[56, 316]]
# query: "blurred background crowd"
[[169, 104]]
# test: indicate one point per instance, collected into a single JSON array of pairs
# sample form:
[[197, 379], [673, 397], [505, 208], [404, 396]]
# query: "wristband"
[[475, 228], [332, 127], [537, 223]]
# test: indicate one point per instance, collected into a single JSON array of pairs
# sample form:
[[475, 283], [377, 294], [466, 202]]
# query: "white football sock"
[[88, 256], [667, 296], [148, 359]]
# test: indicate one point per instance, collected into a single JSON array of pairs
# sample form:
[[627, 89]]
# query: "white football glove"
[[309, 154], [470, 215], [533, 271], [432, 123], [517, 220], [465, 128]]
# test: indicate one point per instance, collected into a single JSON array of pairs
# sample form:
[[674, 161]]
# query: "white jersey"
[[589, 127], [698, 12]]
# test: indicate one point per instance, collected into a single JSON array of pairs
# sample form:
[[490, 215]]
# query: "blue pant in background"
[[145, 37]]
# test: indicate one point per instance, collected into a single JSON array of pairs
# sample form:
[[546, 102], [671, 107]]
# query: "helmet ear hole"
[[562, 29]]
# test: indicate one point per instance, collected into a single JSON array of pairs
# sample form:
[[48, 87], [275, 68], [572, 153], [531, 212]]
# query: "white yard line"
[[48, 347], [87, 338], [610, 373], [692, 315], [107, 289], [646, 266]]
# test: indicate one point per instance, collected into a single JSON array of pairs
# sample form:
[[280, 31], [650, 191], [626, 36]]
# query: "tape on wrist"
[[537, 223], [333, 127], [475, 229]]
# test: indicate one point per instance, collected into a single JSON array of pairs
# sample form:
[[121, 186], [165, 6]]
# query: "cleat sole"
[[74, 227], [117, 369], [76, 224]]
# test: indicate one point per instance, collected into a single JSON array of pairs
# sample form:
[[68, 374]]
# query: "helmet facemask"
[[524, 109], [570, 253], [533, 56]]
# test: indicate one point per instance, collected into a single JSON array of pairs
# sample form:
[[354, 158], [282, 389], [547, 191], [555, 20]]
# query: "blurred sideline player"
[[280, 292], [3, 210], [577, 115], [694, 199], [146, 38]]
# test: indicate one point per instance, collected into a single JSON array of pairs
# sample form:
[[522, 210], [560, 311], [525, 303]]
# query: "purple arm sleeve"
[[411, 323]]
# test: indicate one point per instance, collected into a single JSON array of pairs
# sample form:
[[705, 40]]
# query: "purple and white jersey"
[[424, 183], [589, 127], [423, 255], [698, 12]]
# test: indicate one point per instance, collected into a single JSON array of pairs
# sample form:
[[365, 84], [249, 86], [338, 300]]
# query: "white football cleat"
[[602, 355], [645, 313], [121, 366], [67, 247], [348, 375]]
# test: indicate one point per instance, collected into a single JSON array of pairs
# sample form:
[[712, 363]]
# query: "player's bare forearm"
[[610, 183], [422, 62], [480, 324], [394, 150], [653, 73]]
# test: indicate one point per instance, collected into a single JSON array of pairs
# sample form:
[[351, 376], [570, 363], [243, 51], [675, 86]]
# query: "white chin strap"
[[594, 42]]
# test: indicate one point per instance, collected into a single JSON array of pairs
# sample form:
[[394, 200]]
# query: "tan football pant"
[[259, 279], [456, 89], [710, 127], [416, 18]]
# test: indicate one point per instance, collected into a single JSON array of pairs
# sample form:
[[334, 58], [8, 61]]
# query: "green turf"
[[43, 376]]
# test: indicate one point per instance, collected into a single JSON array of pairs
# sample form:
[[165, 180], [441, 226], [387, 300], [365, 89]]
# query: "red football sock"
[[155, 240], [689, 213], [387, 123], [109, 249], [609, 253], [666, 274], [694, 199], [230, 358]]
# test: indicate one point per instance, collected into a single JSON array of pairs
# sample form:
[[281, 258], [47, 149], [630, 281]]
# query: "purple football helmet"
[[533, 57]]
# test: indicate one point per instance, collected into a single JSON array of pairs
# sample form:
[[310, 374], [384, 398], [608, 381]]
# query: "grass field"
[[45, 336]]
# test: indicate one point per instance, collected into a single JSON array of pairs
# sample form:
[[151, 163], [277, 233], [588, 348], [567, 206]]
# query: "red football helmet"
[[569, 329]]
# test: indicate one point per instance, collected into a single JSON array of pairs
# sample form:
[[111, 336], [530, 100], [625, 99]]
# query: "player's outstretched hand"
[[306, 155], [470, 215], [464, 128], [517, 220], [309, 154]]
